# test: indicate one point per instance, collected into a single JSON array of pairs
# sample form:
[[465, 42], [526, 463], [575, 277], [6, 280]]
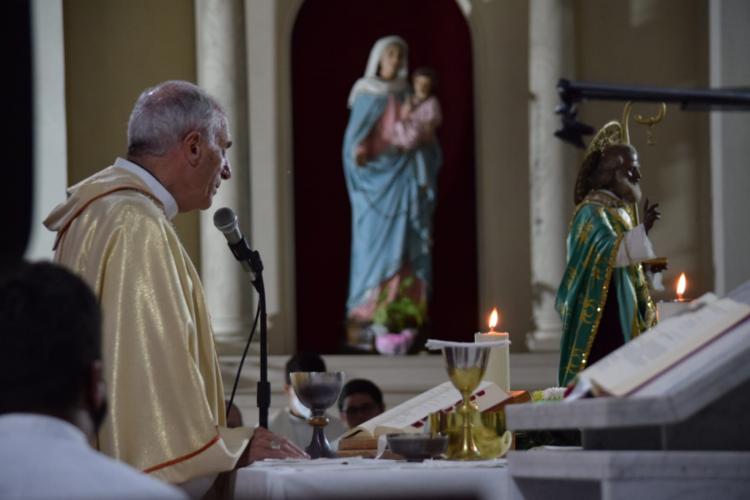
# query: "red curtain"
[[330, 45]]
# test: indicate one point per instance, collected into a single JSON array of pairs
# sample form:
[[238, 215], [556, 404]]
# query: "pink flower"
[[395, 343]]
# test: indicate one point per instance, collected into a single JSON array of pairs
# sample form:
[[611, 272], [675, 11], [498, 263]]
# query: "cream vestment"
[[166, 398]]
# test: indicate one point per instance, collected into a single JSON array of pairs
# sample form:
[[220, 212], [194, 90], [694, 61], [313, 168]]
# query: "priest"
[[167, 408]]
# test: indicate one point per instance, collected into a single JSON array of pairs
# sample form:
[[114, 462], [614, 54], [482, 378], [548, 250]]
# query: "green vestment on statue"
[[599, 224]]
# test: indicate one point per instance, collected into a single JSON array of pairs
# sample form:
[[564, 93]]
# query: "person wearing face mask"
[[291, 421], [53, 399], [360, 400], [604, 297], [392, 191]]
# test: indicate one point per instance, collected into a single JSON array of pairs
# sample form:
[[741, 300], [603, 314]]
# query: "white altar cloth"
[[366, 478]]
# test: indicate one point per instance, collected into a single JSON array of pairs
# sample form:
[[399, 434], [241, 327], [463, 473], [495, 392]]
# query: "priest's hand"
[[266, 444], [651, 215]]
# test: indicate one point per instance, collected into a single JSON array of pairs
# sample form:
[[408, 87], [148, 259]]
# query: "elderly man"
[[167, 409], [53, 398], [604, 299]]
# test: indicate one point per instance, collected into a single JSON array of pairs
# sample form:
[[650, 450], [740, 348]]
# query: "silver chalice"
[[318, 391]]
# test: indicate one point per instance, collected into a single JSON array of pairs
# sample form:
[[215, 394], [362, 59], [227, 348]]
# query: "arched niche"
[[330, 43]]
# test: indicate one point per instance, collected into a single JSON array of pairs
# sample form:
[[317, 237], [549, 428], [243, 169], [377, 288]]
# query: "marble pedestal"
[[628, 475]]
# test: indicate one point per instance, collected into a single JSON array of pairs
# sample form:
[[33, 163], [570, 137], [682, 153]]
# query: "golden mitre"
[[612, 133]]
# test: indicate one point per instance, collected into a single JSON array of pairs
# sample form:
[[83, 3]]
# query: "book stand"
[[683, 435]]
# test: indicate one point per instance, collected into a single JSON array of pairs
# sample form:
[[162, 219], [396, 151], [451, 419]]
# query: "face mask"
[[297, 407]]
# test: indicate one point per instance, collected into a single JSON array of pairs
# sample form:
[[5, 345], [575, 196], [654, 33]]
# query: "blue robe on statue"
[[392, 200]]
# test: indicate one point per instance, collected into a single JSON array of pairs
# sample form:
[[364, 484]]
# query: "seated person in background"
[[360, 400], [53, 396], [291, 422]]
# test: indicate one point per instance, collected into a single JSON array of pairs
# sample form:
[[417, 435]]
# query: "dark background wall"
[[325, 65], [17, 35]]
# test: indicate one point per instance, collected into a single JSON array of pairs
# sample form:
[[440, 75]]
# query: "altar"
[[367, 478], [399, 377]]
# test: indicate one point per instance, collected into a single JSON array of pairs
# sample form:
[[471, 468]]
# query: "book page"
[[663, 346], [411, 415]]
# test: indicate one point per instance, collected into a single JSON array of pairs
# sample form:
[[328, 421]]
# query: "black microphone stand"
[[243, 253]]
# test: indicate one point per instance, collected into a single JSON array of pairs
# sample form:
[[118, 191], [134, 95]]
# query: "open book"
[[411, 416], [654, 353]]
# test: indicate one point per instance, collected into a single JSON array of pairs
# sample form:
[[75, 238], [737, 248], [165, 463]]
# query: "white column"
[[221, 66], [730, 148], [50, 140], [500, 41], [550, 57], [269, 26]]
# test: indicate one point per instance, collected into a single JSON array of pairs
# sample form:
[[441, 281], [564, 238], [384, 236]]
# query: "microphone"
[[225, 221]]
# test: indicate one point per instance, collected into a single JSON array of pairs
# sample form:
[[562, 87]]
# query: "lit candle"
[[667, 309], [498, 364]]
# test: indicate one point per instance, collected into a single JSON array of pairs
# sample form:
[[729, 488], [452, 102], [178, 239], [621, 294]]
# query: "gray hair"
[[163, 115]]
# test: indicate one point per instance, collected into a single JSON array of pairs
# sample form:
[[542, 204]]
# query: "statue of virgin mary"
[[392, 191]]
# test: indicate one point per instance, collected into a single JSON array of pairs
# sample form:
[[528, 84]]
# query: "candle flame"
[[681, 286], [494, 318]]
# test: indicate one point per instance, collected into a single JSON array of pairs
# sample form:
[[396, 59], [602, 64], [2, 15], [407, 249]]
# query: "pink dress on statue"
[[379, 139], [418, 126]]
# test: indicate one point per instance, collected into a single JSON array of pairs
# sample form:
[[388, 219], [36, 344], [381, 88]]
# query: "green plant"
[[402, 312]]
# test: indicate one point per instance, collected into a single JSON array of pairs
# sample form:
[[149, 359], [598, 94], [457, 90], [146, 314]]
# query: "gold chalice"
[[488, 432], [466, 365]]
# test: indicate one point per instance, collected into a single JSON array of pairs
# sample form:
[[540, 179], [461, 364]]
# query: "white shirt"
[[46, 457], [297, 430], [164, 196]]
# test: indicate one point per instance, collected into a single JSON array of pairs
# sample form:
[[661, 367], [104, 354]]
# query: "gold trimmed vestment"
[[165, 393], [596, 232]]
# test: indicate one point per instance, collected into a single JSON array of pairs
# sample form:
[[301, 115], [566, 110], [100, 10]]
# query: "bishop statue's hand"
[[651, 215]]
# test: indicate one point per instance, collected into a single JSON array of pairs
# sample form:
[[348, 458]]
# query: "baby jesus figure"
[[419, 114]]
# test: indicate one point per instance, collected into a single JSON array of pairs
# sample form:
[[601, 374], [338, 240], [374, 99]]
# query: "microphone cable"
[[242, 360]]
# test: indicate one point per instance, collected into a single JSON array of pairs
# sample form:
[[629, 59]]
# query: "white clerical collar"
[[161, 193]]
